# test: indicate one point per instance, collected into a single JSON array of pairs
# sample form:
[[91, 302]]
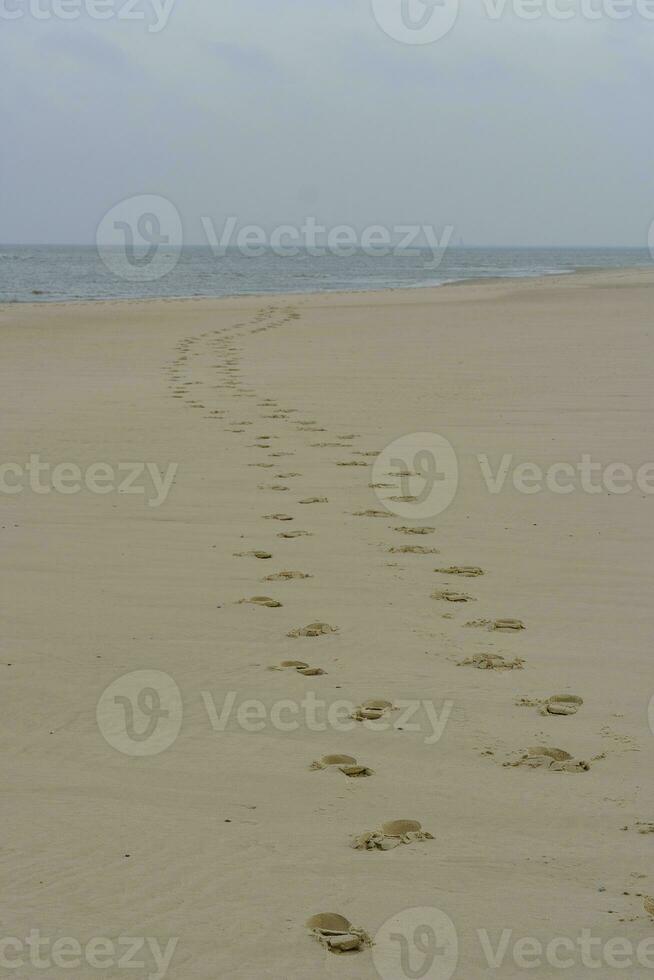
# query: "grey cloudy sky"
[[514, 131]]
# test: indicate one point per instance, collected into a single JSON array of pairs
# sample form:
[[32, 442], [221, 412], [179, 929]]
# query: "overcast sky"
[[513, 131]]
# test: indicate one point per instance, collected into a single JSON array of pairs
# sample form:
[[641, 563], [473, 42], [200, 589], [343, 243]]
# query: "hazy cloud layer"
[[513, 131]]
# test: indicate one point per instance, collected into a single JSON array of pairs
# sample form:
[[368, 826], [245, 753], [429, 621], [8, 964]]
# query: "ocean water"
[[45, 273]]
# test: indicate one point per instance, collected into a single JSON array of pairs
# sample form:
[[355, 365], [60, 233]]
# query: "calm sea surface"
[[47, 273]]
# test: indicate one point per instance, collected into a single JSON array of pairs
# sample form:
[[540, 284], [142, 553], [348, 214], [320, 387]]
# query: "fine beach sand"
[[228, 840]]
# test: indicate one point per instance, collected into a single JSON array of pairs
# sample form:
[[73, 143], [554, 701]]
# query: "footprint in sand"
[[508, 625], [404, 500], [558, 704], [313, 629], [284, 476], [643, 827], [503, 625], [277, 517], [263, 466], [344, 763], [314, 500], [300, 667], [466, 571], [555, 760], [261, 600], [286, 576], [337, 934], [413, 549], [492, 661], [391, 835], [353, 462], [372, 710], [452, 596], [562, 704], [415, 530], [295, 534], [277, 487], [370, 513], [263, 555], [381, 486]]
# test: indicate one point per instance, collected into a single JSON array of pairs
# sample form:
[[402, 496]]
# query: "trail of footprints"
[[332, 930]]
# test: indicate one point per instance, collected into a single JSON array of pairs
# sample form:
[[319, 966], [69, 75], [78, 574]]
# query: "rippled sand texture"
[[274, 572]]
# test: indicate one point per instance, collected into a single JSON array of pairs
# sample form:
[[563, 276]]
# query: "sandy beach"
[[158, 771]]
